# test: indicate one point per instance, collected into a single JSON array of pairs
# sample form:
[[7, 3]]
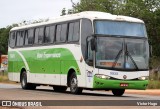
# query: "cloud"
[[15, 11]]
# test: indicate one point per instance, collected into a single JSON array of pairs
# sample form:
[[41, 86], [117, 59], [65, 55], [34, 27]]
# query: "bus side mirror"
[[150, 51], [93, 47]]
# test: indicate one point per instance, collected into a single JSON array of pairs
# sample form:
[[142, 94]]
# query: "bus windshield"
[[122, 53], [120, 28]]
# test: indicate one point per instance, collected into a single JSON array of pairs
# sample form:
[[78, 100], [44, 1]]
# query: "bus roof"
[[92, 15]]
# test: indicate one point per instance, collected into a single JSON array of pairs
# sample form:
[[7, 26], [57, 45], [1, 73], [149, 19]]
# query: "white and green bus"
[[87, 50]]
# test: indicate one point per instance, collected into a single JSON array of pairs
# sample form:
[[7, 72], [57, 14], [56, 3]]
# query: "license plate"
[[124, 84]]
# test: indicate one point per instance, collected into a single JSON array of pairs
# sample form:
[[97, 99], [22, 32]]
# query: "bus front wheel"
[[24, 83], [118, 92], [74, 84]]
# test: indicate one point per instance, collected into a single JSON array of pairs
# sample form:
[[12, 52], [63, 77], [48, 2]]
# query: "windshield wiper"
[[117, 57], [128, 54]]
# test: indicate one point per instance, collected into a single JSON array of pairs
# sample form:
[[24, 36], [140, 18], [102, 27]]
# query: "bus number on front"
[[113, 73]]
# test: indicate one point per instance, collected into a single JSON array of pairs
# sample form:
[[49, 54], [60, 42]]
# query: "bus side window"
[[21, 39], [36, 36], [18, 35], [73, 34], [70, 33], [52, 34], [30, 36], [63, 33], [47, 35], [76, 31], [12, 39], [41, 35], [26, 37], [58, 33]]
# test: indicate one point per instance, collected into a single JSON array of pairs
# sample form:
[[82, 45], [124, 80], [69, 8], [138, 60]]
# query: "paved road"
[[14, 92]]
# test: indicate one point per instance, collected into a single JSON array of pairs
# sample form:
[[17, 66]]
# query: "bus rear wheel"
[[59, 88], [118, 92], [73, 83], [24, 83]]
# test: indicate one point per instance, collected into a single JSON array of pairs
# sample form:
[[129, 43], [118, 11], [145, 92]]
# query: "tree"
[[63, 12], [4, 34]]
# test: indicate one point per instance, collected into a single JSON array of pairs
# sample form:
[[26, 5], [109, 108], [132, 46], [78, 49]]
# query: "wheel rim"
[[74, 84]]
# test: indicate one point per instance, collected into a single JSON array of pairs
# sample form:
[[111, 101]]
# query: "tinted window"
[[49, 34], [118, 28], [12, 39], [26, 37], [52, 33], [21, 39], [63, 33], [58, 33], [18, 35], [70, 33], [41, 35], [86, 30], [30, 36], [74, 31], [36, 36]]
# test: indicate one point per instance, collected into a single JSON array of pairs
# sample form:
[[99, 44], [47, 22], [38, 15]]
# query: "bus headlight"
[[102, 76], [143, 78]]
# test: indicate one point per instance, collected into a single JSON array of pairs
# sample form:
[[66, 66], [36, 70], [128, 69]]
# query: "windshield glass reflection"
[[122, 53]]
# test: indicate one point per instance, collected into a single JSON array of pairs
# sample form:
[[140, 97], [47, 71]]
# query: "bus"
[[88, 50]]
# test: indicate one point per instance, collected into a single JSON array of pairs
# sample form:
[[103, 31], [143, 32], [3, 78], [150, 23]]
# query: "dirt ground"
[[144, 92]]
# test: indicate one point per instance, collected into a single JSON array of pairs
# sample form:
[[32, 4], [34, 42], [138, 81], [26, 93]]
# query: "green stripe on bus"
[[44, 61]]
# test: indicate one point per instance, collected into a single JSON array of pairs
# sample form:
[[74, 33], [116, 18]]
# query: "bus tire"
[[118, 92], [60, 88], [24, 83], [73, 83]]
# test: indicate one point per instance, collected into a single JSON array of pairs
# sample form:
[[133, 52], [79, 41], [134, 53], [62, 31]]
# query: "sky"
[[16, 11]]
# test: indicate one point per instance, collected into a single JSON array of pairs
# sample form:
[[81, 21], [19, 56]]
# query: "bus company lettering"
[[12, 56], [44, 55]]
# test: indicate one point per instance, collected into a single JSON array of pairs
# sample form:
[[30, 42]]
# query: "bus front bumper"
[[100, 83]]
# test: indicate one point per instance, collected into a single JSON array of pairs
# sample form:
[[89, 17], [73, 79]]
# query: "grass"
[[154, 84], [4, 77]]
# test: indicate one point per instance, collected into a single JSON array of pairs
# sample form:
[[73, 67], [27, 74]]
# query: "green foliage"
[[4, 34], [63, 12], [153, 84]]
